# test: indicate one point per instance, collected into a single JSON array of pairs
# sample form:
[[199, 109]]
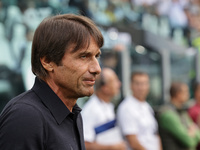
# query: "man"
[[194, 111], [136, 117], [65, 53], [177, 130], [100, 130]]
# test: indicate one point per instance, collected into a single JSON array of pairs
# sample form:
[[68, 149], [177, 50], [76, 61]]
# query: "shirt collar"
[[182, 109], [138, 101], [52, 101]]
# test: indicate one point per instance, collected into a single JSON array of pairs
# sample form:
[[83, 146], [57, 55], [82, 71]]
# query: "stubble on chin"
[[87, 92], [90, 91]]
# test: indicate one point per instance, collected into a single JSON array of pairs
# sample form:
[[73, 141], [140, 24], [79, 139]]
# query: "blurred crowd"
[[175, 14], [135, 125], [169, 18]]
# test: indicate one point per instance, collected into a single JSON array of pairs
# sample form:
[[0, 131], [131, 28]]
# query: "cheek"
[[79, 74], [185, 97], [72, 70], [198, 93]]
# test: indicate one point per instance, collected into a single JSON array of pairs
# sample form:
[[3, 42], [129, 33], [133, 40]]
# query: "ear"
[[48, 65]]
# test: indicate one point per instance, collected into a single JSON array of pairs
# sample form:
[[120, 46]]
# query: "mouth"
[[89, 82]]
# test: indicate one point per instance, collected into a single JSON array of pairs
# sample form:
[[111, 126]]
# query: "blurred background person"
[[177, 130], [136, 117], [100, 130], [178, 18], [194, 111]]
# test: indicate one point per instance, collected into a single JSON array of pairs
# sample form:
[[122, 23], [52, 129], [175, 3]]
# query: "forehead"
[[140, 77], [110, 75], [184, 87]]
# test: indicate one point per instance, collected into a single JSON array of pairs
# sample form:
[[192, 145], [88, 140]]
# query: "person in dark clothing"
[[65, 53]]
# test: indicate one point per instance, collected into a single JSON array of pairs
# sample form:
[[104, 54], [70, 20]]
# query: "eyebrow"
[[88, 52]]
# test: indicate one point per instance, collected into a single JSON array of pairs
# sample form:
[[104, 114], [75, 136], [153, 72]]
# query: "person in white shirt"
[[136, 117], [99, 122]]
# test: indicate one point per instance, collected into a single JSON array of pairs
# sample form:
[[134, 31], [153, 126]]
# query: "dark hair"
[[57, 34], [137, 73], [175, 88]]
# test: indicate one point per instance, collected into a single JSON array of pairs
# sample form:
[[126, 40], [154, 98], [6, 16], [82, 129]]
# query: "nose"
[[94, 67]]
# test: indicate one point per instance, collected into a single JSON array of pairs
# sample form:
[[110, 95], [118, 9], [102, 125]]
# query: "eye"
[[83, 56], [98, 56]]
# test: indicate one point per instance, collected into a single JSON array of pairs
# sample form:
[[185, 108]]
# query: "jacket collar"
[[52, 101]]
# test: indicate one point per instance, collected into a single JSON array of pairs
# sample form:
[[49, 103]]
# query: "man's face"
[[197, 93], [140, 87], [76, 75], [113, 84], [183, 94]]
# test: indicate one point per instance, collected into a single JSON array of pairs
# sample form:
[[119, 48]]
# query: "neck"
[[103, 97], [68, 101], [176, 103], [140, 98]]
